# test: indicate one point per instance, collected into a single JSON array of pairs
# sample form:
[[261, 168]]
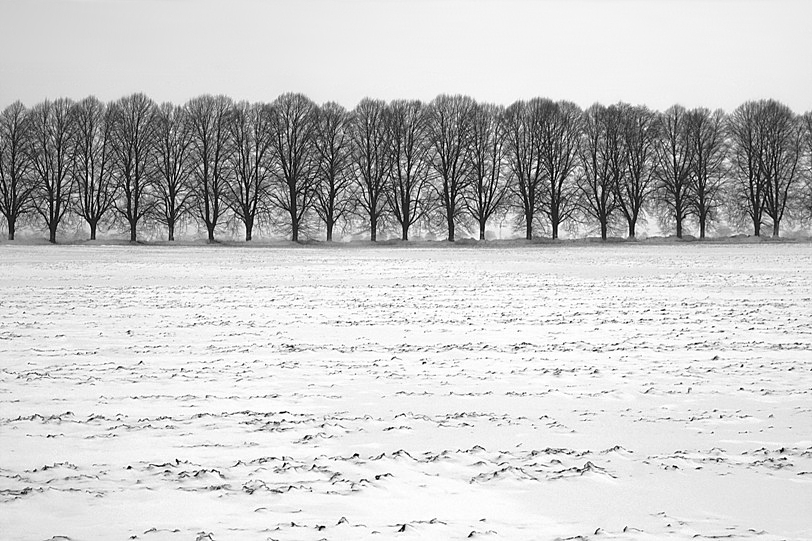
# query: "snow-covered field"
[[606, 392]]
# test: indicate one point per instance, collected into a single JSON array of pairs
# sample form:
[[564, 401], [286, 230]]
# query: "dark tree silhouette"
[[639, 140], [16, 183], [674, 163], [250, 141], [450, 127], [707, 141], [371, 159], [781, 138], [208, 118], [559, 137], [173, 140], [134, 131], [333, 201], [806, 198], [522, 140], [749, 193], [806, 124], [293, 126], [93, 158], [487, 187], [408, 179], [599, 157], [51, 152], [404, 162]]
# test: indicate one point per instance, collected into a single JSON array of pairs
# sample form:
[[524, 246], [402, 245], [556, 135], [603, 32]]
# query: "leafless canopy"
[[208, 118], [559, 137], [333, 202], [707, 143], [173, 165], [489, 179], [452, 163], [93, 160], [408, 188], [250, 161], [806, 198], [674, 165], [134, 144], [51, 155], [748, 191], [371, 159], [766, 139], [522, 139], [600, 157], [781, 137], [293, 127], [450, 127], [16, 183], [639, 125]]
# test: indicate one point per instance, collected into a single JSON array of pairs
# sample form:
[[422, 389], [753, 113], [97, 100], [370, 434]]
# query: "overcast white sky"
[[715, 53]]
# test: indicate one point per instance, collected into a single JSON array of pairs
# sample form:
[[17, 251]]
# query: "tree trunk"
[[776, 225], [603, 229], [756, 228], [528, 223], [52, 233], [450, 228], [294, 222], [92, 224], [133, 236], [482, 229], [373, 228], [171, 226], [329, 231], [702, 227], [210, 230], [554, 221], [249, 229], [632, 227], [11, 227], [679, 227], [405, 231]]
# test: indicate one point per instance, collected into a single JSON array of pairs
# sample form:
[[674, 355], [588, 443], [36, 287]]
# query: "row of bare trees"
[[452, 161]]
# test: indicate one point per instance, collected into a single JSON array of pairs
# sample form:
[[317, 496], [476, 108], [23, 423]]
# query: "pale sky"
[[713, 53]]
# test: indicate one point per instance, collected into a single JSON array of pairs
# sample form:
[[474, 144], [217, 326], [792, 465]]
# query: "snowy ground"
[[607, 392]]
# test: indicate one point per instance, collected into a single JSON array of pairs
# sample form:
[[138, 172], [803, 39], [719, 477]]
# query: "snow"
[[540, 392]]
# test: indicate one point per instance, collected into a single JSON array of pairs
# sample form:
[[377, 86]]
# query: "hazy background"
[[715, 53]]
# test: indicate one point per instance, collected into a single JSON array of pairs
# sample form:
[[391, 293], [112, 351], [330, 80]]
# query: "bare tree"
[[134, 144], [51, 137], [559, 137], [781, 138], [208, 118], [522, 140], [674, 163], [93, 158], [371, 159], [409, 174], [749, 193], [486, 191], [333, 145], [293, 126], [15, 165], [450, 127], [707, 142], [599, 160], [173, 165], [806, 122], [250, 141], [639, 140]]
